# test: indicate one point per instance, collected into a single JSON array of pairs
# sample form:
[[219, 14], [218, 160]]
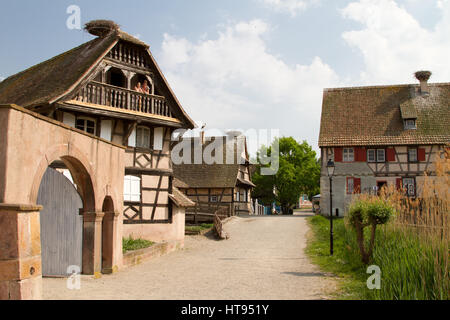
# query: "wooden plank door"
[[61, 224]]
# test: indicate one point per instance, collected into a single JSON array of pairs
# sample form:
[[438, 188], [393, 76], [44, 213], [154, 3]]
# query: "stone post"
[[20, 252], [92, 243], [110, 255]]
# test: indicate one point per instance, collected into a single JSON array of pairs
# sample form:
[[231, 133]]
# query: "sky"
[[250, 64]]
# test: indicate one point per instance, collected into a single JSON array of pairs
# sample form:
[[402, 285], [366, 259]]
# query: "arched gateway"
[[30, 145]]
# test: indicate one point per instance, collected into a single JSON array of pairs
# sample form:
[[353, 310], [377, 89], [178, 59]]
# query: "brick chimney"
[[423, 77]]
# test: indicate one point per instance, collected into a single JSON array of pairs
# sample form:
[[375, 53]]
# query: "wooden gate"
[[61, 224]]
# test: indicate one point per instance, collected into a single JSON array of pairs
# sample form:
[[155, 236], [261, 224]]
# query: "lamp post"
[[330, 169]]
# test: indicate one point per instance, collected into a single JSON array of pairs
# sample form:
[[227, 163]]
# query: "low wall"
[[136, 257]]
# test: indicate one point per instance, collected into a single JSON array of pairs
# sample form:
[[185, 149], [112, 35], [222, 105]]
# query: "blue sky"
[[252, 64]]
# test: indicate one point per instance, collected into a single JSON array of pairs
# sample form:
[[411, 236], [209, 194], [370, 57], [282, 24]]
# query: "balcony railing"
[[124, 99]]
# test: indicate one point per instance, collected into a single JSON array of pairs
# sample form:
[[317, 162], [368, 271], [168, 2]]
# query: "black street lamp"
[[330, 169]]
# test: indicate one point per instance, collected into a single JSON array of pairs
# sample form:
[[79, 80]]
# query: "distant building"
[[381, 135], [226, 184]]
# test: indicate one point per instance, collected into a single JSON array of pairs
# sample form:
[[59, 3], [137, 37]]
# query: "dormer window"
[[410, 124]]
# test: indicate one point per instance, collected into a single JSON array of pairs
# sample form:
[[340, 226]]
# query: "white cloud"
[[232, 81], [393, 43], [293, 7]]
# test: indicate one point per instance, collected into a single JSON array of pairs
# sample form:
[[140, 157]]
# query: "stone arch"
[[79, 167]]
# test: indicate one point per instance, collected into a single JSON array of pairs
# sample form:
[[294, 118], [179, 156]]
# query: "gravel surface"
[[264, 259]]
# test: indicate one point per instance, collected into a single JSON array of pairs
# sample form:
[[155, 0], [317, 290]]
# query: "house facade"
[[381, 136], [111, 87], [217, 182]]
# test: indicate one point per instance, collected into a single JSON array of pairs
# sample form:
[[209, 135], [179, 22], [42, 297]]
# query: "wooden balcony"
[[101, 94]]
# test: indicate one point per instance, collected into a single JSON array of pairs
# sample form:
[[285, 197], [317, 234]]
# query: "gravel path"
[[263, 260]]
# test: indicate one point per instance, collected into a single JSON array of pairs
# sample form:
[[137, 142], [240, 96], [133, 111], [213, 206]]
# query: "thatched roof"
[[57, 78], [366, 116], [211, 175]]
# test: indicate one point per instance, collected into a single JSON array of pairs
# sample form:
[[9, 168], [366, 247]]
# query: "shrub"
[[365, 212]]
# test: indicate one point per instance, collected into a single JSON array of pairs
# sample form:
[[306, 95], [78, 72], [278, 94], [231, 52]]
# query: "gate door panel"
[[61, 224]]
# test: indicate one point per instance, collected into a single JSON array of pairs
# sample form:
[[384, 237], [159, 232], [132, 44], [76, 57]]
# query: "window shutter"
[[106, 129], [69, 119], [132, 139], [357, 185], [399, 183], [421, 154], [390, 154], [337, 154], [360, 155], [158, 139]]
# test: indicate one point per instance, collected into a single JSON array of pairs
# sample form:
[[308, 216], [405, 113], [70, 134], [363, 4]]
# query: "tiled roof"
[[180, 199], [374, 116], [209, 175]]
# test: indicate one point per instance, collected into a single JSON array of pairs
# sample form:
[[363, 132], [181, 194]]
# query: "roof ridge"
[[385, 86]]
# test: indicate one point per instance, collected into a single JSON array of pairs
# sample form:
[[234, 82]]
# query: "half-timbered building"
[[382, 135], [112, 87], [224, 183]]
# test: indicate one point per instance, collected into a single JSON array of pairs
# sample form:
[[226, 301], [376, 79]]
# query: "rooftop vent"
[[423, 77], [101, 28]]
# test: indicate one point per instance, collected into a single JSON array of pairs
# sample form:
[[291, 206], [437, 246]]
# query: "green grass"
[[412, 268], [346, 266], [130, 244], [199, 228]]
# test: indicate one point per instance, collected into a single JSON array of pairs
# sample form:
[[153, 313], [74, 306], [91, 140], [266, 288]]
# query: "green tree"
[[298, 174]]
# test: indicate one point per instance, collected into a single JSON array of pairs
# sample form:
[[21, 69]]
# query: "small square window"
[[412, 155], [409, 185], [86, 125], [410, 124], [214, 199], [143, 137], [349, 155]]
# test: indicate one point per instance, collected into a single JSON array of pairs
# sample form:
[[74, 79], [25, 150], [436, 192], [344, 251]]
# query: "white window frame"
[[85, 120], [409, 184], [410, 159], [132, 189], [214, 199], [374, 155], [348, 155], [352, 185], [383, 157], [372, 152], [410, 124], [139, 140], [238, 194]]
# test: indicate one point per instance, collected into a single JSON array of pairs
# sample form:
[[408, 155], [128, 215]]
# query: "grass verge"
[[412, 267], [199, 228], [130, 244], [351, 280]]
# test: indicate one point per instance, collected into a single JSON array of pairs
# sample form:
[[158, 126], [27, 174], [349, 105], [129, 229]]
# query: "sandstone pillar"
[[20, 252], [92, 243]]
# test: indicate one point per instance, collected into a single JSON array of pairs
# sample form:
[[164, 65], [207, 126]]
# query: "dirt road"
[[263, 259]]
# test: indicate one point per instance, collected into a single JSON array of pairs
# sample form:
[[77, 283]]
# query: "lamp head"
[[330, 167]]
